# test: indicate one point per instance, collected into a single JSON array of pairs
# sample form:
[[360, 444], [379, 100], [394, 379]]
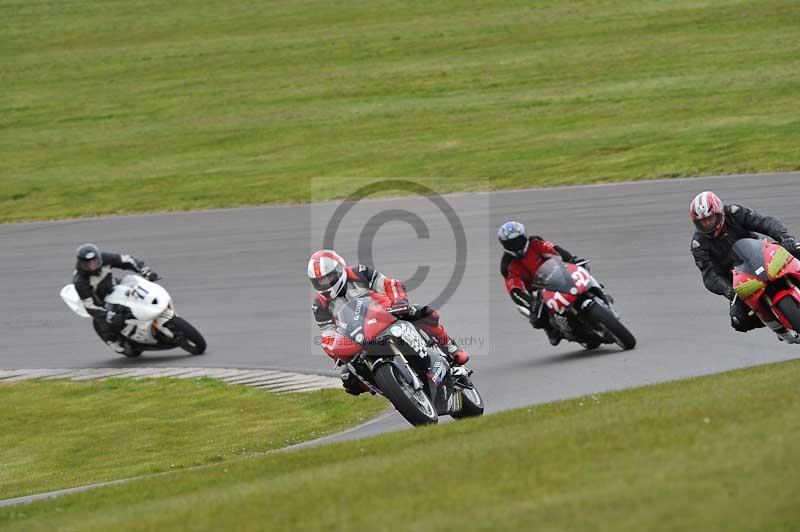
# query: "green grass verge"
[[714, 453], [59, 434], [116, 106]]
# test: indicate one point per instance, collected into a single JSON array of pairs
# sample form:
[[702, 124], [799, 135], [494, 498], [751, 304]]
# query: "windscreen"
[[751, 255], [350, 318], [553, 275]]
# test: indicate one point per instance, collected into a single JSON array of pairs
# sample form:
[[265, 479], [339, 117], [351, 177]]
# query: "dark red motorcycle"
[[579, 307], [394, 359], [767, 278]]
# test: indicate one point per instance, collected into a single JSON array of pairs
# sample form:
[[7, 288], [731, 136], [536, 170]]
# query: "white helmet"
[[326, 271]]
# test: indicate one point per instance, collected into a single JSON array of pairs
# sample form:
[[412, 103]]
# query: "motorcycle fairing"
[[762, 263], [73, 301], [562, 284], [359, 323], [146, 300]]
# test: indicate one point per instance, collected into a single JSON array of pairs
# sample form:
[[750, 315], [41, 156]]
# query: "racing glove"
[[399, 306], [148, 274], [117, 317], [351, 384], [730, 293], [791, 245]]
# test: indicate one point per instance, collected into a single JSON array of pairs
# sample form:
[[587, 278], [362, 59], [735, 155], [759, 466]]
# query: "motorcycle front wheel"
[[603, 316], [791, 311], [186, 336], [414, 405]]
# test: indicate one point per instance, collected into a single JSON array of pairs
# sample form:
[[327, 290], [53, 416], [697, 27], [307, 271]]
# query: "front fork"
[[158, 323]]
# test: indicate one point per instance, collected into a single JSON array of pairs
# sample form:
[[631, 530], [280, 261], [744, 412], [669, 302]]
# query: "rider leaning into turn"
[[336, 283], [719, 227], [93, 281], [522, 258]]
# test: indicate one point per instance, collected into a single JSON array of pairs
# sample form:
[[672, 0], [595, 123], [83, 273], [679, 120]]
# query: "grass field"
[[715, 453], [63, 434], [119, 106]]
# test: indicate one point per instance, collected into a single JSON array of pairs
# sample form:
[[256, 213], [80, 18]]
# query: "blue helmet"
[[513, 238]]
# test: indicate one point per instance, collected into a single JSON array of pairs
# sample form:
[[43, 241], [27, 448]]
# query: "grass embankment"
[[715, 453], [59, 434], [112, 107]]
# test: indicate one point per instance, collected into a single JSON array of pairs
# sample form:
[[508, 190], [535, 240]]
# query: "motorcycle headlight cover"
[[778, 262], [749, 288]]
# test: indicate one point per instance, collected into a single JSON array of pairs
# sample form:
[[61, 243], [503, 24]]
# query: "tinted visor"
[[325, 282], [709, 224], [516, 245], [91, 265]]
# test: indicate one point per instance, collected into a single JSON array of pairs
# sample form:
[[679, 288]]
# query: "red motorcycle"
[[394, 359], [579, 307], [767, 278]]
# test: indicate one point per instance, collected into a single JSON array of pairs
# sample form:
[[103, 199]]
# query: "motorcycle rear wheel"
[[412, 404], [188, 338], [598, 313], [791, 311]]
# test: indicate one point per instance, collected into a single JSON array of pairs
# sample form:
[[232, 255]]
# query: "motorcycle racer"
[[336, 283], [522, 257], [718, 228], [93, 281]]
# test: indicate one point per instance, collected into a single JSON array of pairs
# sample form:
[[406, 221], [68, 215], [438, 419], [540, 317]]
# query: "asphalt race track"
[[239, 276]]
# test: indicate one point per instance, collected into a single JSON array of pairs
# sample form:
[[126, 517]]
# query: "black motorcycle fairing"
[[431, 368], [440, 382]]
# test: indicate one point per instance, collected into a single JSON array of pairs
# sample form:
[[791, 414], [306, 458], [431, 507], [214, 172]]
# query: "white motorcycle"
[[155, 325]]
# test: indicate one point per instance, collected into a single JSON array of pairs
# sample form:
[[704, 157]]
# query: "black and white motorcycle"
[[154, 325]]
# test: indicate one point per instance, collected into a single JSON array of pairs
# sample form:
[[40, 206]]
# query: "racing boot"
[[790, 337], [455, 354], [428, 321], [117, 346], [554, 335]]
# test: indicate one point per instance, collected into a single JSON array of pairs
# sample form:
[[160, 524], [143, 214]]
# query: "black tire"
[[188, 338], [399, 393], [470, 406], [602, 315], [135, 352], [791, 311]]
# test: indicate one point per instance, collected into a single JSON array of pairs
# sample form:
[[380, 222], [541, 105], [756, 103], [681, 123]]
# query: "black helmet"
[[90, 260]]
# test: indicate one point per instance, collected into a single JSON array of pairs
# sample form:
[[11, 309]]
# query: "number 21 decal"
[[557, 303], [581, 278]]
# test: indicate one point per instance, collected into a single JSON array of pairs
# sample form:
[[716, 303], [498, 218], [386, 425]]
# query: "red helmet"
[[326, 271], [708, 213]]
